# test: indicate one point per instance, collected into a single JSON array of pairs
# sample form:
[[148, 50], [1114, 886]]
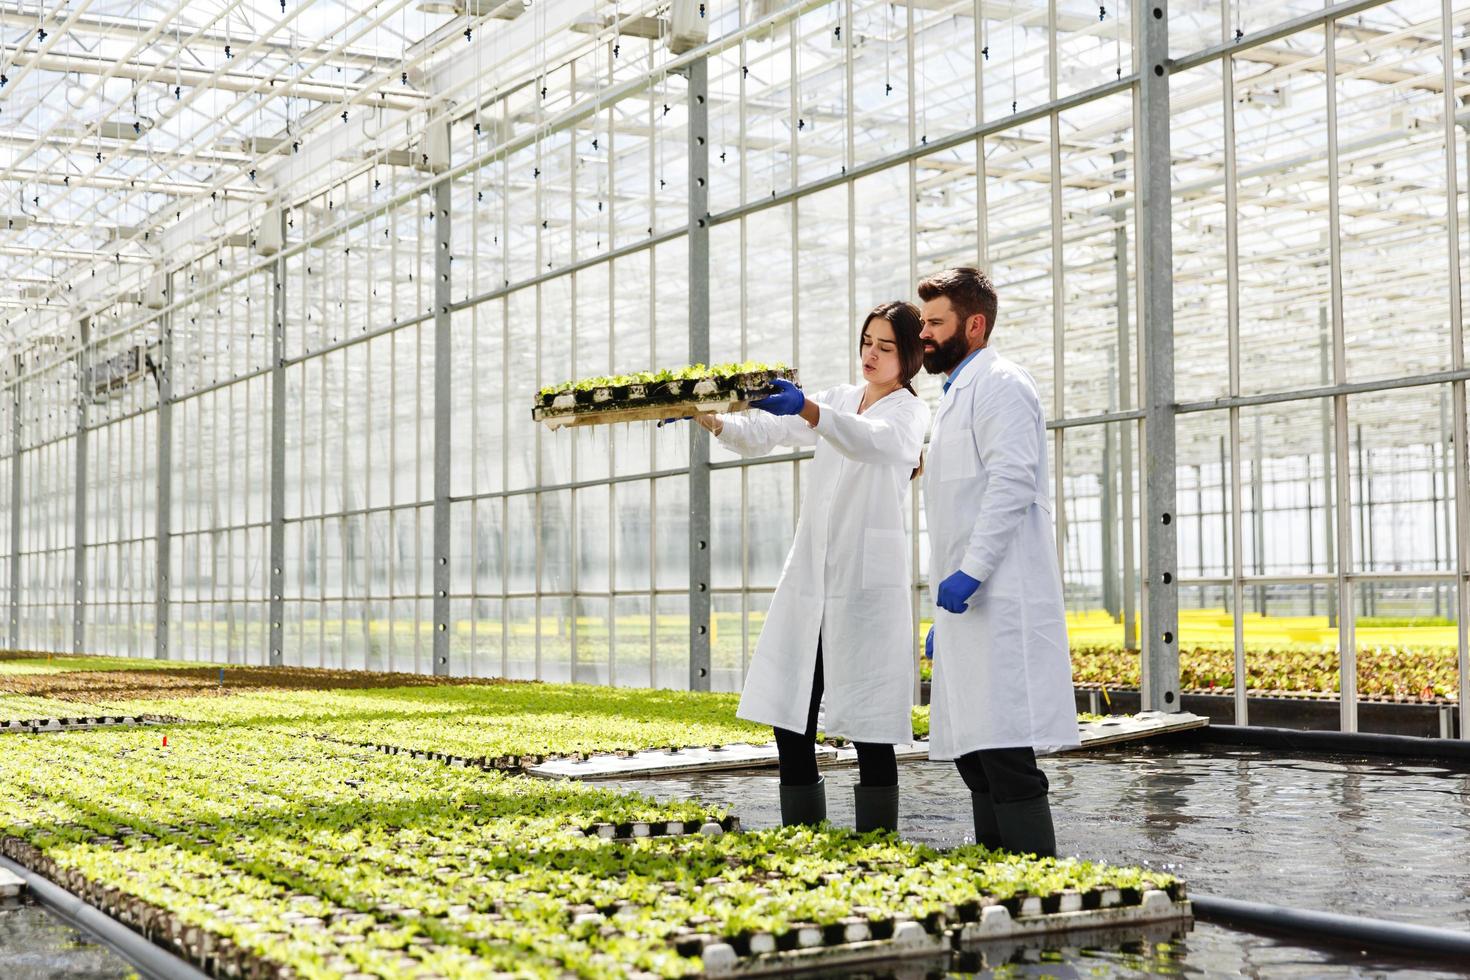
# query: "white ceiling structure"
[[131, 131]]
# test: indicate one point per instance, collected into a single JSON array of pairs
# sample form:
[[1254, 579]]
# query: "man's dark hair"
[[970, 291]]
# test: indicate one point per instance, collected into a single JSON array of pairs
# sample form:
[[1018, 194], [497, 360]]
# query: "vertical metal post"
[[1107, 504], [1444, 495], [1160, 647], [1235, 532], [1346, 634], [1258, 512], [1457, 359], [1058, 304], [1329, 543], [443, 354], [699, 492], [162, 559], [1199, 514], [79, 516], [278, 449], [1125, 403], [16, 502]]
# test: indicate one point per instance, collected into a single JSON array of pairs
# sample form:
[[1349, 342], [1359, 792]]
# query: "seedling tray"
[[38, 726], [850, 944], [655, 401], [728, 758]]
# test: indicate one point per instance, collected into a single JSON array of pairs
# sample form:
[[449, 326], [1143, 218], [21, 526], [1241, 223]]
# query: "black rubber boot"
[[876, 807], [1026, 827], [987, 832], [804, 804]]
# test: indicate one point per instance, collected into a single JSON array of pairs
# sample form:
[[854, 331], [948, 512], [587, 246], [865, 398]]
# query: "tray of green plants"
[[22, 713], [652, 395], [1406, 674], [254, 853], [497, 726]]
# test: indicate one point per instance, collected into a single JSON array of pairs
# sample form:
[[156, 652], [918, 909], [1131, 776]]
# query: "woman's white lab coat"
[[1002, 670], [847, 574]]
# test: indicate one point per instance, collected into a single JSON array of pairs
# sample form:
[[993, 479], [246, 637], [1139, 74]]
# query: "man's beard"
[[945, 357]]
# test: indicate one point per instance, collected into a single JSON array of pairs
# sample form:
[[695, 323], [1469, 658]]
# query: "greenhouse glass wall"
[[275, 322]]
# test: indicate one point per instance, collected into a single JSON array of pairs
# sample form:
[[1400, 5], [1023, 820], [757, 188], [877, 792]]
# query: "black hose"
[[151, 961], [1394, 937], [1349, 743]]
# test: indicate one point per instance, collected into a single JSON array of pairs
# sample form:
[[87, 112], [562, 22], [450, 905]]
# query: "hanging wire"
[[888, 49], [1118, 41], [1015, 86], [923, 85]]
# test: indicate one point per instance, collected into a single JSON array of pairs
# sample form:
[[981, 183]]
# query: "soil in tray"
[[93, 685], [741, 387]]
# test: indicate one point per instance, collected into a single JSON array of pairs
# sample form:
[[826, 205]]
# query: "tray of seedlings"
[[256, 853], [653, 395], [36, 715]]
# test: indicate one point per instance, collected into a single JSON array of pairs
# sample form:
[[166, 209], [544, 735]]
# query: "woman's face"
[[879, 352]]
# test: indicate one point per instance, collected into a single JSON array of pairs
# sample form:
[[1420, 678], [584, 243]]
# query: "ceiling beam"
[[104, 27], [176, 188], [170, 75], [121, 148]]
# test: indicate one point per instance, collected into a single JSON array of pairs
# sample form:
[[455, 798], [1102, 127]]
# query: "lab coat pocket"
[[957, 457], [884, 559]]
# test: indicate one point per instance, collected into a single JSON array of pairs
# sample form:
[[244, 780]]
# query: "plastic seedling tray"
[[655, 401], [856, 942], [39, 726], [636, 830]]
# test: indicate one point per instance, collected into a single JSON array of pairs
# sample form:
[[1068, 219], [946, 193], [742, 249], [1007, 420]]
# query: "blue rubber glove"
[[665, 422], [955, 591], [787, 400], [929, 644]]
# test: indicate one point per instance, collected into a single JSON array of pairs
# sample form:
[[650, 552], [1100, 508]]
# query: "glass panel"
[[594, 641], [672, 643], [632, 649]]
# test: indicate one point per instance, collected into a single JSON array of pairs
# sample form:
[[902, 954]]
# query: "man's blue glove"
[[955, 591], [787, 400], [929, 644], [665, 422]]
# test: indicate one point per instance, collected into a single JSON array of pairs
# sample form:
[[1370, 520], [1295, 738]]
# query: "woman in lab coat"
[[840, 620]]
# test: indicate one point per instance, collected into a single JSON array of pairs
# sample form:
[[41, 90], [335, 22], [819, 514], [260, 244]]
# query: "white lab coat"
[[847, 574], [1002, 669]]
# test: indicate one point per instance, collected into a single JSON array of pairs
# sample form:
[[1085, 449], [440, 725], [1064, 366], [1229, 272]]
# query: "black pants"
[[1008, 775], [798, 750]]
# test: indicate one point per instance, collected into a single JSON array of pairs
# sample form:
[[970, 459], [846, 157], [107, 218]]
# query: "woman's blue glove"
[[955, 591], [787, 400], [929, 644]]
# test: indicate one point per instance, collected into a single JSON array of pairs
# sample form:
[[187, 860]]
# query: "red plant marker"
[[165, 741]]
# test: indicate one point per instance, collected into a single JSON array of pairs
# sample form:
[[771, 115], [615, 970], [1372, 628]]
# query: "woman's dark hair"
[[904, 319], [906, 323]]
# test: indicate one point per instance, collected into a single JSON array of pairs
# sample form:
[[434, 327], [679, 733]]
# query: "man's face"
[[945, 343]]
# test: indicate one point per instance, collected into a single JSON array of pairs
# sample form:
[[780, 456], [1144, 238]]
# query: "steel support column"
[[16, 492], [79, 509], [1329, 492], [1461, 430], [1347, 643], [443, 362], [1126, 380], [699, 493], [1108, 511], [278, 449], [164, 488], [1161, 644]]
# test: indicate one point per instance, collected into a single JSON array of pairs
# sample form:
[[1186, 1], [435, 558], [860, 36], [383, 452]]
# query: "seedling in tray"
[[651, 395]]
